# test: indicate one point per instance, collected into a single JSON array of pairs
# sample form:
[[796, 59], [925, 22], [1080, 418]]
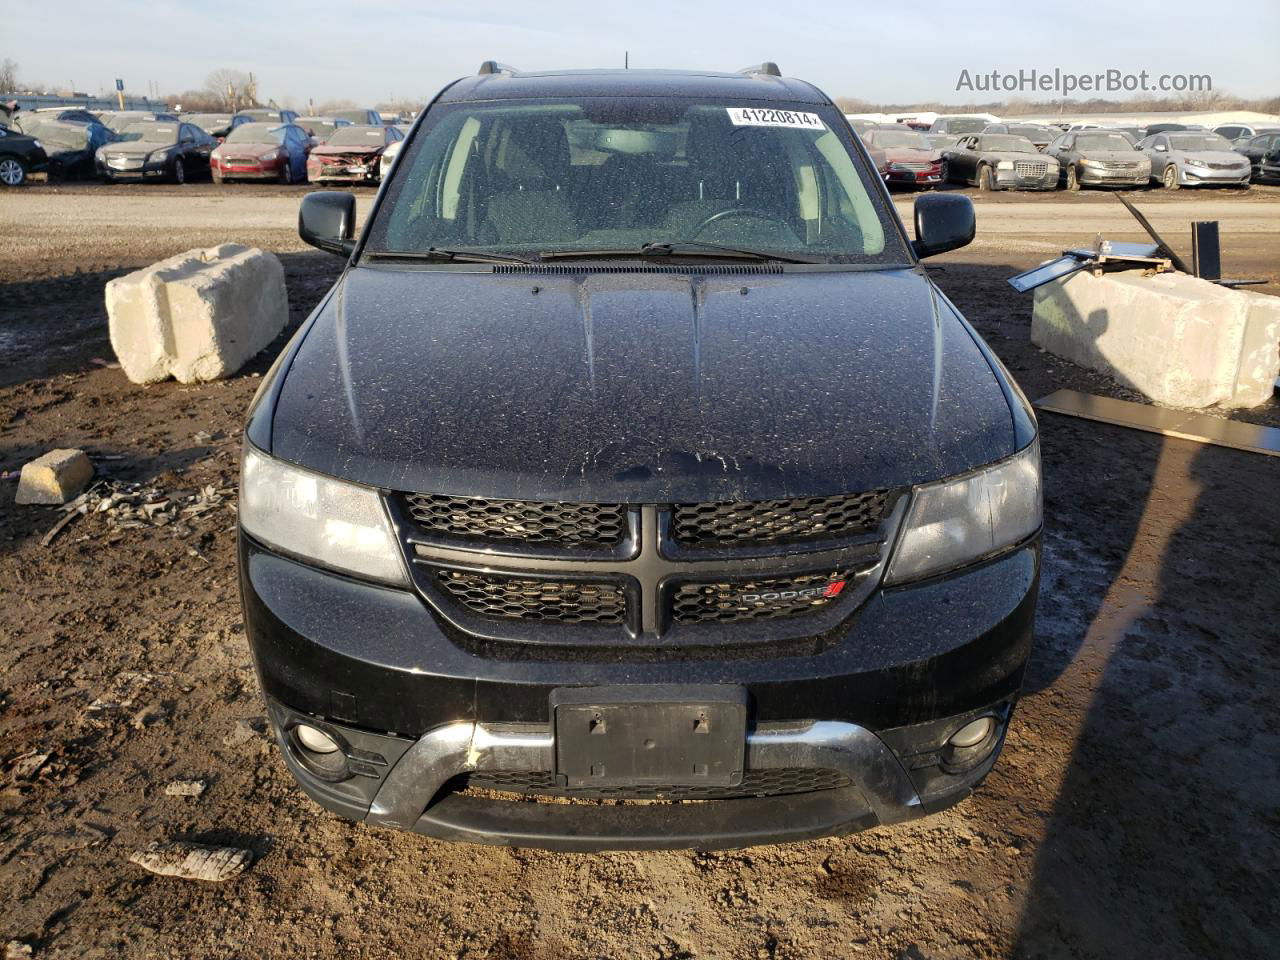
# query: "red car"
[[263, 151], [910, 161], [351, 154]]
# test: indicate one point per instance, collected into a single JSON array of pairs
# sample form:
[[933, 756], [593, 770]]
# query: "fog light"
[[972, 733], [317, 741]]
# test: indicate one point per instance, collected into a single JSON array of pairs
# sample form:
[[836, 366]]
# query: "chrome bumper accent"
[[457, 748]]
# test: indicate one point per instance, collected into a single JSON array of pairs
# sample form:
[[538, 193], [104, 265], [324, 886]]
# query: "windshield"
[[151, 132], [1001, 143], [371, 137], [256, 133], [1103, 141], [897, 138], [964, 125], [612, 174], [1199, 142]]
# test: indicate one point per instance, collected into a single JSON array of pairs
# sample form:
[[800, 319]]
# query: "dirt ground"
[[1135, 811]]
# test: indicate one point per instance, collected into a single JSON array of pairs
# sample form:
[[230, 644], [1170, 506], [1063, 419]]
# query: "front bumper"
[[1012, 180], [1102, 177], [374, 666], [1198, 176]]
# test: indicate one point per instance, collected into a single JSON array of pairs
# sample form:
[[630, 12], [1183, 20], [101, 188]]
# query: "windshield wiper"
[[674, 248], [441, 254]]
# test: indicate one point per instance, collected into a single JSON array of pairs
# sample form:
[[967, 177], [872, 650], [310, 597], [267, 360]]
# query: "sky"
[[370, 51]]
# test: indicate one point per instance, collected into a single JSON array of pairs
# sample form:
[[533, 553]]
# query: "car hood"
[[1212, 156], [1018, 157], [910, 155], [1126, 156], [640, 387], [133, 149], [246, 148]]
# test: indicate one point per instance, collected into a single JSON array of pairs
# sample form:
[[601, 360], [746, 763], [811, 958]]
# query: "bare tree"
[[8, 76], [232, 88]]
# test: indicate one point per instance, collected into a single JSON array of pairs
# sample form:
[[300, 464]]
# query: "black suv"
[[635, 460]]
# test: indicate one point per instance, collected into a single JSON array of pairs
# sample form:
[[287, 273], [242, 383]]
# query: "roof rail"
[[493, 66], [766, 69]]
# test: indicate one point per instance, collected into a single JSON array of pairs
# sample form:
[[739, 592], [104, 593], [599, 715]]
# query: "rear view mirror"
[[327, 220], [944, 221]]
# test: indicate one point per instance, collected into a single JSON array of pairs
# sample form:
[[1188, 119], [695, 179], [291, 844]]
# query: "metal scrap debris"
[[128, 506], [193, 861]]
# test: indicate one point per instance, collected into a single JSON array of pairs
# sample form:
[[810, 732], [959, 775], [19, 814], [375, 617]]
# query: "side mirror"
[[327, 220], [944, 221]]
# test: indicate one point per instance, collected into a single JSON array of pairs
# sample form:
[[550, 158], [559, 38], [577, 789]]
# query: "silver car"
[[1189, 159], [1101, 158], [1000, 161]]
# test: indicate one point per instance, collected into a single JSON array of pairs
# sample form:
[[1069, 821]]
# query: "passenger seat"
[[533, 166]]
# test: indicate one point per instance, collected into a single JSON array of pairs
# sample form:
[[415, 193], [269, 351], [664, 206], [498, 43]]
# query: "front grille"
[[512, 598], [1226, 166], [601, 525], [763, 599], [917, 165], [765, 522], [755, 783], [1031, 168]]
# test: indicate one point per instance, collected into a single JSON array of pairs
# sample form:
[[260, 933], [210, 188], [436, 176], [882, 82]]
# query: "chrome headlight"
[[268, 156], [1193, 162], [958, 521], [334, 523], [37, 144]]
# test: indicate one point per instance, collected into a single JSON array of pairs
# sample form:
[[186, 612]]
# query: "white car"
[[388, 158]]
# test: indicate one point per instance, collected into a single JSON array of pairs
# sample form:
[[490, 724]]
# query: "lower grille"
[[1226, 166], [755, 783], [511, 598], [764, 599], [777, 521]]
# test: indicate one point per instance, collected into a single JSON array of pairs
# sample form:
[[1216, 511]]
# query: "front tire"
[[179, 172], [1073, 179], [1169, 177], [286, 172], [985, 183], [13, 171]]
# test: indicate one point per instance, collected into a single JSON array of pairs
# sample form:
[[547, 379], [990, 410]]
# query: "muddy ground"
[[1135, 812]]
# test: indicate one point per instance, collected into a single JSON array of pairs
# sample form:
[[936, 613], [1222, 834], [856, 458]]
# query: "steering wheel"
[[731, 212]]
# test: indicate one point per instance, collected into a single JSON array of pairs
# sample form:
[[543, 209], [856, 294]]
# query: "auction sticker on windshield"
[[757, 117]]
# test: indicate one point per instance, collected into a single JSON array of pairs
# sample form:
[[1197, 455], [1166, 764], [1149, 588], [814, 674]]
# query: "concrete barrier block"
[[1259, 351], [196, 316], [1177, 339], [55, 477]]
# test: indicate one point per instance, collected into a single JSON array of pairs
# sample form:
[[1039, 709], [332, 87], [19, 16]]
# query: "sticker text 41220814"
[[757, 117]]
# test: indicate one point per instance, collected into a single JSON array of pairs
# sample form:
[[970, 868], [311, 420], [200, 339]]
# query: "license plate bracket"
[[648, 735]]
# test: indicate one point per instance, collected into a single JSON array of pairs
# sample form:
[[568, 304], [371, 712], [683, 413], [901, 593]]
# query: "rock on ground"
[[55, 477], [193, 861]]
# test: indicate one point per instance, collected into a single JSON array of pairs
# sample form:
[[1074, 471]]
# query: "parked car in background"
[[1171, 127], [69, 116], [941, 141], [1000, 161], [961, 125], [70, 146], [1099, 158], [1190, 159], [171, 151], [20, 154], [263, 151], [360, 117], [268, 115], [1242, 131], [352, 154], [860, 126], [1269, 169], [217, 125], [1037, 133], [321, 128], [1255, 150], [388, 159], [1132, 134], [909, 160], [117, 120]]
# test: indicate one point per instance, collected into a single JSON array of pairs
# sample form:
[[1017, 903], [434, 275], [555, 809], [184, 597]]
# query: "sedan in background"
[[177, 152], [217, 125], [352, 154], [388, 159], [860, 126], [1099, 158], [263, 151], [1037, 133], [1256, 149], [265, 115], [321, 128], [959, 126], [1192, 159], [941, 141], [999, 161], [19, 155], [1242, 131], [117, 120], [909, 160]]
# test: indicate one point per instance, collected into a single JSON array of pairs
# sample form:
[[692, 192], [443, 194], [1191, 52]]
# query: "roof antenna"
[[626, 59]]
